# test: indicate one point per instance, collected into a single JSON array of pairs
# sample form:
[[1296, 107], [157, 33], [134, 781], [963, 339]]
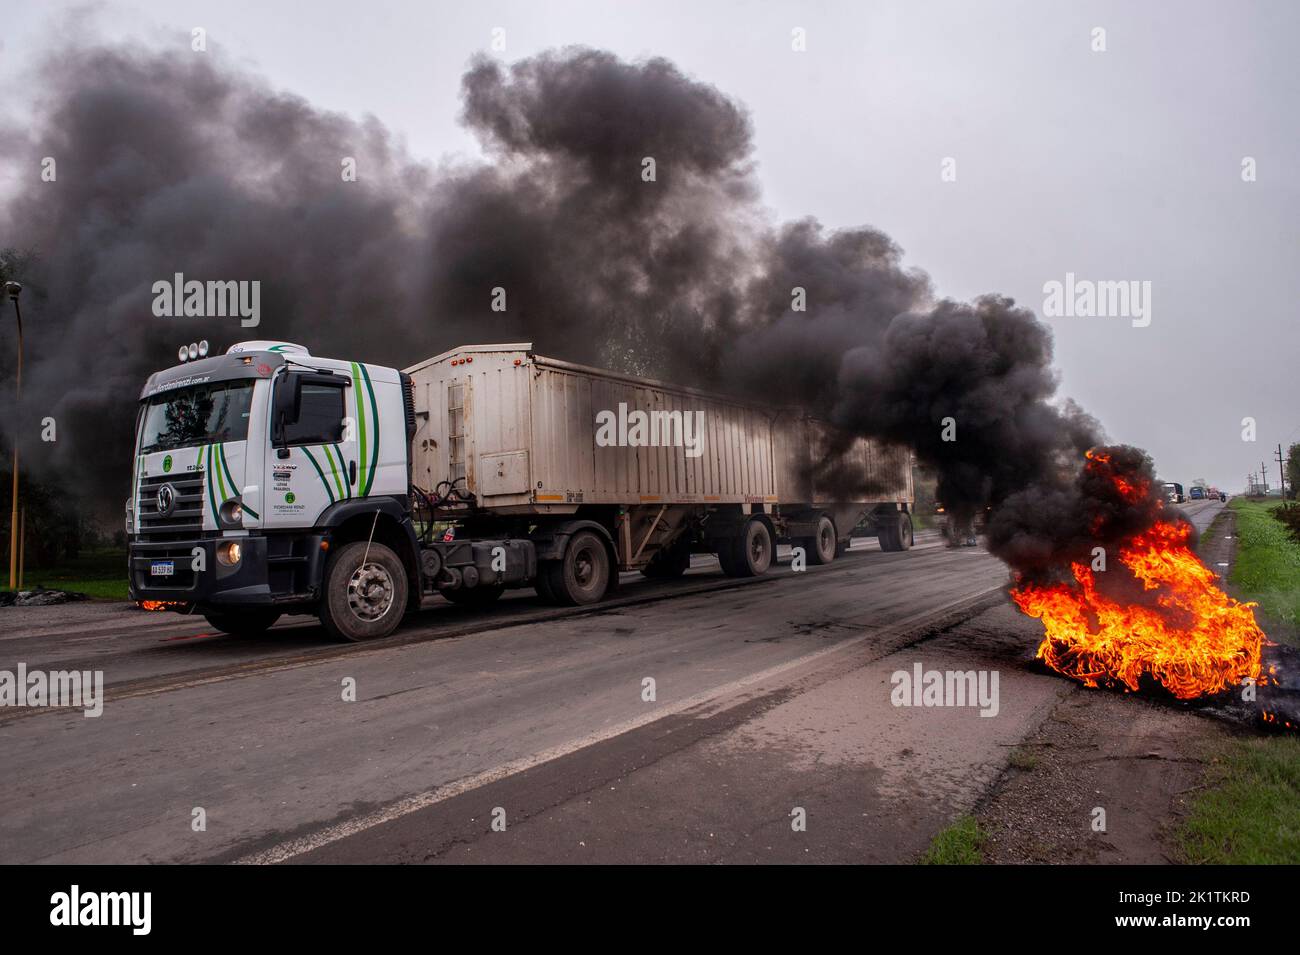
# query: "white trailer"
[[484, 468]]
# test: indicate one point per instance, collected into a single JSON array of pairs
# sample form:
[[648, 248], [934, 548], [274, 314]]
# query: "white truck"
[[269, 481]]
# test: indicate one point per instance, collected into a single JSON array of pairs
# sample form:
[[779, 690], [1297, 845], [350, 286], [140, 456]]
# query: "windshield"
[[201, 415]]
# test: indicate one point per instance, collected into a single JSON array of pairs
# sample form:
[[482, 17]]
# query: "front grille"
[[186, 517]]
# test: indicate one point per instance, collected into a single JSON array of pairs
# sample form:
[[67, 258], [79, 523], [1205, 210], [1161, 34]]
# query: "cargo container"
[[353, 490]]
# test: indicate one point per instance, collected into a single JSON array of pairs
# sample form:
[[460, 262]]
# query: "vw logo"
[[166, 499]]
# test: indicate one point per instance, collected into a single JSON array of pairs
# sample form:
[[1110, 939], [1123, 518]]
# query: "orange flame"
[[157, 604], [1194, 640]]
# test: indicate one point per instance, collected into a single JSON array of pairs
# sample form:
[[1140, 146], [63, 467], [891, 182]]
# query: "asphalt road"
[[260, 742], [1202, 513], [527, 733]]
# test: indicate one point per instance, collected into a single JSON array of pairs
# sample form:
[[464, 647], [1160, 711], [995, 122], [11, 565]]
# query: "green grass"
[[1267, 569], [100, 574], [1251, 813], [960, 844]]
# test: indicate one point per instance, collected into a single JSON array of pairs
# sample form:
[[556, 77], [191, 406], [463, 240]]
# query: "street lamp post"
[[14, 290]]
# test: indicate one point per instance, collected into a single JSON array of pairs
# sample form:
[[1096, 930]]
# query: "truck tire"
[[244, 623], [824, 547], [363, 602], [668, 564], [896, 533], [582, 575], [480, 596], [750, 553]]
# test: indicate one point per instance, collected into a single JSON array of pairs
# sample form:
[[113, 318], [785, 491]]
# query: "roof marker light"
[[203, 348], [194, 351], [183, 354]]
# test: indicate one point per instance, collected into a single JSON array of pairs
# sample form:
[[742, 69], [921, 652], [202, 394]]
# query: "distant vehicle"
[[1173, 492], [1198, 494], [1223, 497]]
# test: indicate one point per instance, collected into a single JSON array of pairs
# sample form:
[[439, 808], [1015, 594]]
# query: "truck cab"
[[253, 469]]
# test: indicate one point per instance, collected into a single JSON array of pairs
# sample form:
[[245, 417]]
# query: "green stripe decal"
[[249, 510], [214, 458], [374, 412], [329, 456], [361, 427], [230, 478], [316, 465], [212, 494], [343, 473]]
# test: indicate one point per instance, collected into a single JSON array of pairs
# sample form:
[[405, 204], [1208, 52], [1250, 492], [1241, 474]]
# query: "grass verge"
[[961, 843], [100, 574], [1251, 813], [1267, 568]]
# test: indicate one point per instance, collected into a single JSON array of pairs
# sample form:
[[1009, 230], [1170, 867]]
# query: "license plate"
[[162, 568]]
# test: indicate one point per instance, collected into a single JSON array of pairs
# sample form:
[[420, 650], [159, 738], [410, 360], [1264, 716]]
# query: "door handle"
[[352, 473]]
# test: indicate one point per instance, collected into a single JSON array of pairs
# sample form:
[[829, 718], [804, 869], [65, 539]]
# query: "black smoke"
[[174, 162]]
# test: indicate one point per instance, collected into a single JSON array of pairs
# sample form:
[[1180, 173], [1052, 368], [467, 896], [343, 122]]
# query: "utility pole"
[[1263, 476], [13, 290], [1281, 471]]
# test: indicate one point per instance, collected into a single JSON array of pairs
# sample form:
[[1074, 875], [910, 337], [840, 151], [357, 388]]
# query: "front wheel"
[[365, 592], [244, 623]]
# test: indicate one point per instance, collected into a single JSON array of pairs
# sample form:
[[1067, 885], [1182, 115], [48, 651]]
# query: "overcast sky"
[[1117, 165]]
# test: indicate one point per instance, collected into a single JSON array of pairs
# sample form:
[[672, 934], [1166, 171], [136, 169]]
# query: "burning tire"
[[749, 554], [244, 623], [582, 575], [365, 593]]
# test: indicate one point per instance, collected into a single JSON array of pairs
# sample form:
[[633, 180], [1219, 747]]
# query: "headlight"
[[229, 553], [232, 513]]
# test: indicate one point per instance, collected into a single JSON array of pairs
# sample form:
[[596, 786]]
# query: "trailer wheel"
[[480, 596], [749, 554], [582, 575], [244, 623], [824, 547], [896, 533], [363, 600]]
